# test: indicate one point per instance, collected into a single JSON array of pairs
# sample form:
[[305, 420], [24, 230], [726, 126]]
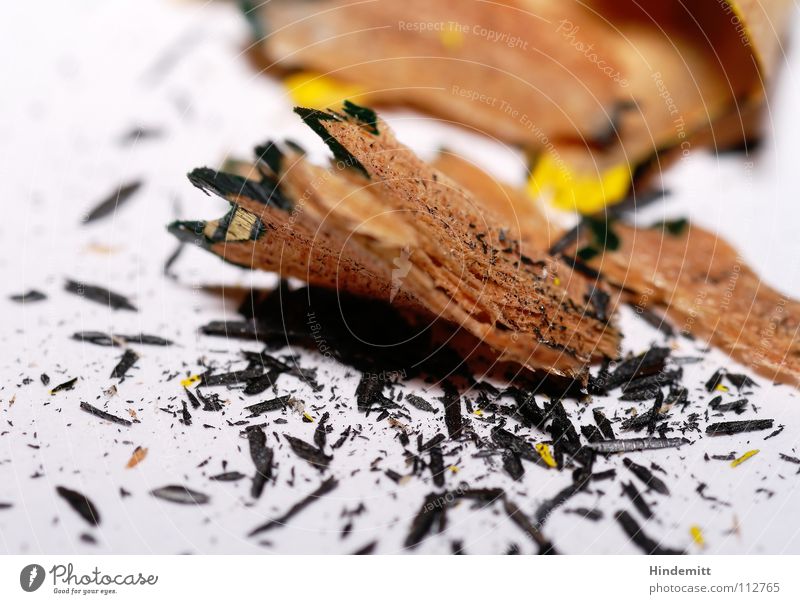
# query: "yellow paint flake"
[[192, 379], [307, 416], [138, 455], [454, 469], [452, 38], [744, 458], [478, 412], [309, 89], [544, 452], [722, 388], [556, 280], [583, 193], [697, 535]]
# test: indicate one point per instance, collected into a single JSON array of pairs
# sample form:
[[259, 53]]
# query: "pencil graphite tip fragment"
[[190, 231]]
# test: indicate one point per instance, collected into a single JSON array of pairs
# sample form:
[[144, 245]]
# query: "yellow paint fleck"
[[571, 191], [722, 388], [478, 412], [556, 280], [318, 91], [454, 469], [744, 458], [307, 416], [192, 379], [697, 535], [544, 452], [452, 37]]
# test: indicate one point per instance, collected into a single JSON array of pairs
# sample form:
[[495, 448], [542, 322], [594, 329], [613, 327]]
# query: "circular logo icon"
[[31, 577]]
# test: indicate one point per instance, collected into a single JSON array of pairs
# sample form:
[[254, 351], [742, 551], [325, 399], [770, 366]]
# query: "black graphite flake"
[[603, 423], [110, 204], [789, 458], [192, 398], [420, 403], [598, 299], [366, 550], [519, 518], [186, 417], [233, 377], [437, 466], [81, 504], [243, 330], [68, 385], [369, 394], [642, 394], [604, 475], [432, 510], [645, 543], [45, 379], [342, 438], [29, 296], [129, 357], [321, 431], [517, 444], [625, 445], [436, 440], [266, 406], [211, 402], [259, 384], [326, 487], [592, 514], [647, 363], [452, 411], [393, 476], [547, 507], [227, 477], [740, 380], [277, 367], [180, 494], [630, 490], [775, 433], [103, 415], [649, 383], [738, 427], [715, 380], [98, 294], [646, 476], [513, 465], [738, 407], [101, 338], [642, 421], [591, 433], [262, 458], [309, 453]]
